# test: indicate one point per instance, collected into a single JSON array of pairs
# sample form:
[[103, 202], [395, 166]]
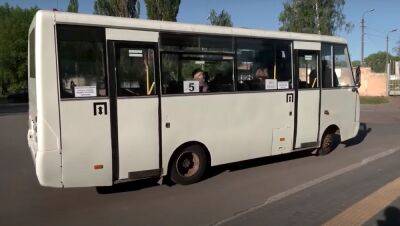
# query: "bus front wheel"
[[188, 165]]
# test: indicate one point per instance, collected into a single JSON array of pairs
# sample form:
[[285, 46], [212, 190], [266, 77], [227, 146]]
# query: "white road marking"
[[309, 184]]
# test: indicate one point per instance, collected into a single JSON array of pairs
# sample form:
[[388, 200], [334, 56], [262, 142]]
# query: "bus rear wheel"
[[327, 144], [188, 165]]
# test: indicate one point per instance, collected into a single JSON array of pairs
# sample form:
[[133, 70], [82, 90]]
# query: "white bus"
[[118, 99]]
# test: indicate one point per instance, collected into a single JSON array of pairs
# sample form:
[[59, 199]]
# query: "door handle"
[[326, 112]]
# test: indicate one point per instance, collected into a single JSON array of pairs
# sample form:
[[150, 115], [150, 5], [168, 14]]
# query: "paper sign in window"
[[85, 91], [191, 86], [271, 84], [283, 85], [135, 53], [308, 57]]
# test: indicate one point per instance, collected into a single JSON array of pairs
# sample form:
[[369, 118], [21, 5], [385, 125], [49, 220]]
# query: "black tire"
[[188, 165], [327, 144]]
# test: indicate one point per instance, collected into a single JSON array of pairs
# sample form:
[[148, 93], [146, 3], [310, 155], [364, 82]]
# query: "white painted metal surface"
[[48, 145], [233, 127], [86, 142], [307, 45], [131, 35], [137, 135], [343, 107], [307, 117]]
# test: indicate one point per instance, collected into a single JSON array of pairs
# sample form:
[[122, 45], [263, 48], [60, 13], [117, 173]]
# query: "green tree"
[[220, 19], [314, 16], [73, 6], [356, 63], [121, 8], [14, 26], [166, 10], [377, 61]]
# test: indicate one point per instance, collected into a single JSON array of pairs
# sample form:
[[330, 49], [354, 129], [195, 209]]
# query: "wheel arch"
[[332, 128]]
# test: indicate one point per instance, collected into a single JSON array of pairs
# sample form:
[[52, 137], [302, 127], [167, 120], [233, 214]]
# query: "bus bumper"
[[48, 168], [47, 165]]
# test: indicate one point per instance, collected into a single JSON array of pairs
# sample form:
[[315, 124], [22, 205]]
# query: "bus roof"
[[166, 26]]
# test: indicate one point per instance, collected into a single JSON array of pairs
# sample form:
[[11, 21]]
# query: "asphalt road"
[[232, 195]]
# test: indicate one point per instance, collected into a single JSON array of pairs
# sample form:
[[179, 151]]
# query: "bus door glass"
[[307, 77]]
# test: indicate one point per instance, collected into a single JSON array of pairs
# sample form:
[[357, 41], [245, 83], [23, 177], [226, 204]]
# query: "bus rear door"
[[134, 103]]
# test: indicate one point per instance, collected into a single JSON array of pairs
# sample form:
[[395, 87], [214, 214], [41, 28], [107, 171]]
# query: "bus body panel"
[[137, 135], [86, 144], [233, 127], [43, 113], [307, 118], [342, 106], [48, 168], [32, 115]]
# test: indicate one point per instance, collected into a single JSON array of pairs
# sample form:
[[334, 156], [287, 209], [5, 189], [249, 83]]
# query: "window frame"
[[105, 60]]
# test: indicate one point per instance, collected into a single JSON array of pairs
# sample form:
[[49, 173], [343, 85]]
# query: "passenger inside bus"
[[311, 80], [200, 75], [262, 73]]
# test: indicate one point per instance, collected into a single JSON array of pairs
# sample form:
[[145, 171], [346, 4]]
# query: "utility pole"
[[362, 40], [363, 34], [386, 65]]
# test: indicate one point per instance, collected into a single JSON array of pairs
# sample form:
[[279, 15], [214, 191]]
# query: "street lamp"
[[363, 33], [387, 49]]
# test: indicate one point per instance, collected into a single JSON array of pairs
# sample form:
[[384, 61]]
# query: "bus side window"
[[326, 59], [260, 61], [196, 64], [283, 63], [342, 73], [81, 57], [255, 63]]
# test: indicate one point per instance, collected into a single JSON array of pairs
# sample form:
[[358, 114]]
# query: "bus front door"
[[134, 109], [307, 98]]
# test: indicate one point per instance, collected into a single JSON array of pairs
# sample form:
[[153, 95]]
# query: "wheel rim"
[[188, 164], [327, 144]]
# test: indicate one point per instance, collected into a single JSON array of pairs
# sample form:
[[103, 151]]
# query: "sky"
[[263, 14]]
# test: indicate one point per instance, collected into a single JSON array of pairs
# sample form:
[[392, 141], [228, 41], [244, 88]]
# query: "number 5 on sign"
[[191, 86]]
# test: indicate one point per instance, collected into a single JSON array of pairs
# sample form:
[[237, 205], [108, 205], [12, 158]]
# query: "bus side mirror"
[[358, 76]]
